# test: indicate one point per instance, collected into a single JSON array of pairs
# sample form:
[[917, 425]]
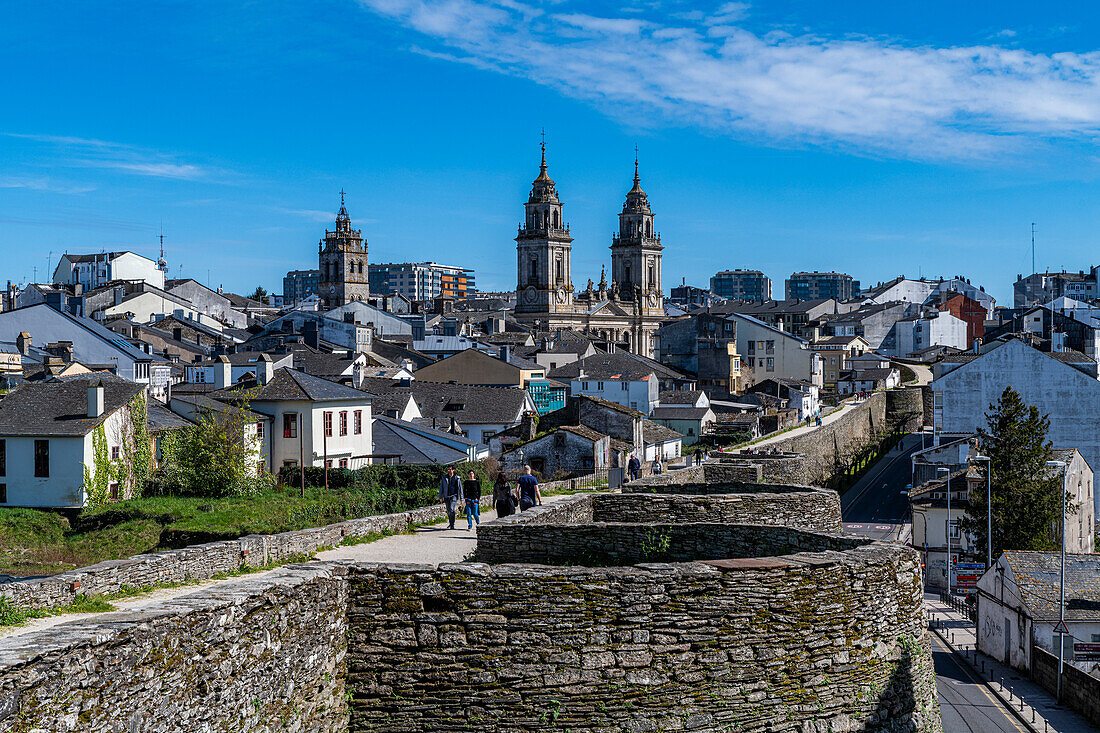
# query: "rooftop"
[[60, 407]]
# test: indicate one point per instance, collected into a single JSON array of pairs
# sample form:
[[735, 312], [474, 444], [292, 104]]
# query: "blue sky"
[[869, 137]]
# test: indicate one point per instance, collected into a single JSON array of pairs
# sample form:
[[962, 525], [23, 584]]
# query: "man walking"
[[634, 466], [471, 491], [450, 493], [529, 493]]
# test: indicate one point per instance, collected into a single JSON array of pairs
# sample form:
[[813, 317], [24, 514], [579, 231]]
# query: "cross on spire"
[[341, 196], [636, 165]]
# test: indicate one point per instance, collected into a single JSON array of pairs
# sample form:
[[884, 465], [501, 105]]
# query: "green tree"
[[216, 457], [1025, 491], [259, 294]]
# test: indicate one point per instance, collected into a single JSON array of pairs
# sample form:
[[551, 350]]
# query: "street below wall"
[[875, 506]]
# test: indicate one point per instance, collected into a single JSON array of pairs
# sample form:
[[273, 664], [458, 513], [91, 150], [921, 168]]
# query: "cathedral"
[[625, 314], [342, 259]]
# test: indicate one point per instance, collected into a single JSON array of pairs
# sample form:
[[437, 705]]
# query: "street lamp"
[[988, 507], [950, 585], [1062, 581]]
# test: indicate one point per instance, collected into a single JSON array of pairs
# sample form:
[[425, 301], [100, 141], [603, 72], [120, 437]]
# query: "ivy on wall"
[[130, 472]]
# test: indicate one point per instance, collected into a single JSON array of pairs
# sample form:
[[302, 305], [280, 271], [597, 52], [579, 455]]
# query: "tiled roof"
[[160, 418], [611, 405], [209, 404], [584, 431], [60, 407], [1037, 575], [867, 375], [291, 384], [656, 433], [415, 444], [679, 413], [466, 403]]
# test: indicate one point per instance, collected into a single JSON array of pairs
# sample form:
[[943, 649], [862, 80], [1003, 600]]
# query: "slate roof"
[[60, 407], [1037, 576], [414, 443], [605, 366], [611, 405], [584, 431], [466, 403], [205, 402], [867, 375], [679, 413], [159, 418], [680, 396], [290, 384], [655, 433]]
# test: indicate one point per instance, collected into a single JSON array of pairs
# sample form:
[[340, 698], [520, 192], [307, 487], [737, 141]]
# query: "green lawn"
[[34, 542]]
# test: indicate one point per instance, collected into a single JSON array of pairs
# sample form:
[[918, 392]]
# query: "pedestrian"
[[471, 492], [503, 498], [655, 468], [634, 466], [529, 493], [450, 493]]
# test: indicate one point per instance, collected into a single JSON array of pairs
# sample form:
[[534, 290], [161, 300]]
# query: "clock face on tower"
[[332, 289], [530, 294]]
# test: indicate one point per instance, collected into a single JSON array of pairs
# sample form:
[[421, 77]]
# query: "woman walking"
[[503, 498], [471, 492]]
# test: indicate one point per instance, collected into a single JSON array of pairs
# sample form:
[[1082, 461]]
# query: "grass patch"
[[12, 614]]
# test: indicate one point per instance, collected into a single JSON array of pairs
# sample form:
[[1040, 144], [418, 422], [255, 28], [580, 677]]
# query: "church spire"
[[343, 221]]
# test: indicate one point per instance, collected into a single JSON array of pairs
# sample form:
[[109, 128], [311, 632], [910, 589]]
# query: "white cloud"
[[875, 96], [42, 183], [87, 152]]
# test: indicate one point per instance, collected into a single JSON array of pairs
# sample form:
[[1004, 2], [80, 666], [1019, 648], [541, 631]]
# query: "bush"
[[383, 489]]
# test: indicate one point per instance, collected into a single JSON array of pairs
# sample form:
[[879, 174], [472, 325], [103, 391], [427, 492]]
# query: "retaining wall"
[[806, 509], [260, 654], [810, 642], [1080, 690]]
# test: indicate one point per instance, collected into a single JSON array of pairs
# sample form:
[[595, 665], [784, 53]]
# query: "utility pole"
[[1033, 248]]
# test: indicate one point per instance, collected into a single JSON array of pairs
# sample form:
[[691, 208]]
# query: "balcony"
[[525, 231]]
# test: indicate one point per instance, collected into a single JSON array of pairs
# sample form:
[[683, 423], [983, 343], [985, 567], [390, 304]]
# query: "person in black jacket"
[[471, 492], [450, 493], [504, 499]]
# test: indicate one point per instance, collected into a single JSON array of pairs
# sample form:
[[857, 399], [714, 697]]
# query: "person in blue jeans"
[[529, 494], [471, 492]]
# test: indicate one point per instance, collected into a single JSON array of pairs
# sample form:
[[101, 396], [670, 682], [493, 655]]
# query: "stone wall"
[[259, 654], [1080, 690], [814, 509], [811, 642], [200, 562], [905, 409]]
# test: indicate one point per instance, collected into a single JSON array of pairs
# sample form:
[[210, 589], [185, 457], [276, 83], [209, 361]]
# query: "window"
[[112, 490], [328, 463], [290, 425], [752, 347], [3, 493], [116, 452], [3, 458], [290, 463], [343, 422], [328, 426], [625, 385], [42, 459], [599, 386], [954, 528], [261, 467], [343, 463], [770, 347], [771, 364], [358, 422], [260, 430]]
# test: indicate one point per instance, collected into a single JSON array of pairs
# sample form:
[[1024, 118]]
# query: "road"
[[875, 506], [965, 703]]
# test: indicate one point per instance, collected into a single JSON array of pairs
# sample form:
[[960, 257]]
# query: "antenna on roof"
[[1033, 247]]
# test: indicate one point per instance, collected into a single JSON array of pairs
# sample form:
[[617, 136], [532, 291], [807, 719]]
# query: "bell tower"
[[342, 259], [636, 252], [543, 250]]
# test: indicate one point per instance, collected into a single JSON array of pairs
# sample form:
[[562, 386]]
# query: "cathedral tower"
[[636, 253], [342, 259], [543, 249]]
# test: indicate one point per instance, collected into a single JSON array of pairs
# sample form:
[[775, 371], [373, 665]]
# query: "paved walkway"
[[1034, 707], [830, 418], [433, 544]]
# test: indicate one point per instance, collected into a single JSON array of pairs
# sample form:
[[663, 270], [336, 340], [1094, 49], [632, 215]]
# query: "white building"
[[93, 270], [315, 422], [1018, 605], [933, 328], [240, 364], [91, 344], [47, 434], [768, 351], [908, 290], [255, 427], [1068, 392]]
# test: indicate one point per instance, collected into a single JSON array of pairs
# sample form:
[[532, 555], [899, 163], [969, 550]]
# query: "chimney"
[[23, 343], [505, 352], [528, 426], [95, 399], [264, 369], [223, 372]]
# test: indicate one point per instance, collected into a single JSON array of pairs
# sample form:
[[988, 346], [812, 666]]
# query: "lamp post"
[[1062, 579], [988, 508], [950, 585]]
